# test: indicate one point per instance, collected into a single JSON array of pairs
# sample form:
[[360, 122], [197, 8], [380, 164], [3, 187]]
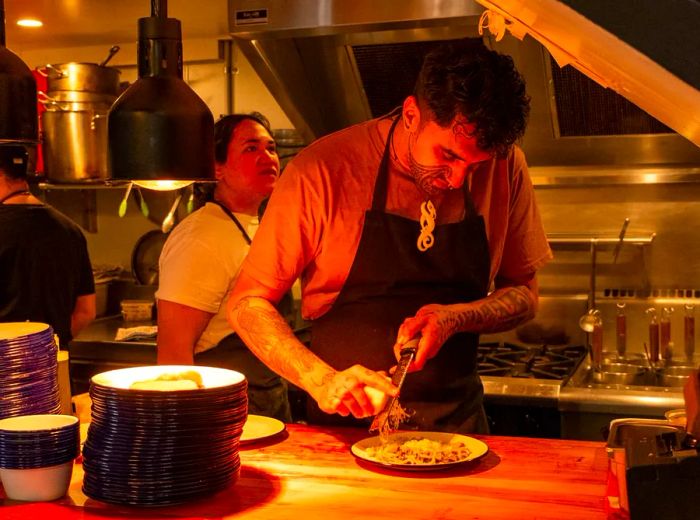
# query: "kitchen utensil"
[[674, 376], [81, 77], [621, 330], [75, 144], [408, 352], [665, 344], [647, 354], [144, 258], [190, 200], [587, 321], [653, 335], [619, 374], [122, 204], [689, 331], [112, 52], [621, 239], [142, 203], [169, 219]]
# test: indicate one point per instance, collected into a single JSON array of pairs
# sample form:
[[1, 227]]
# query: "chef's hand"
[[434, 324], [344, 392]]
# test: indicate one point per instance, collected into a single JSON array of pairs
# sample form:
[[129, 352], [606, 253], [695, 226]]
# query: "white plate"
[[476, 448], [259, 427]]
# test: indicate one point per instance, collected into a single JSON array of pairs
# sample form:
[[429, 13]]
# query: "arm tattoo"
[[503, 309], [271, 339]]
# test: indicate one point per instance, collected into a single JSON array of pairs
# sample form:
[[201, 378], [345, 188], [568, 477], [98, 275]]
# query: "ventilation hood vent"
[[616, 85]]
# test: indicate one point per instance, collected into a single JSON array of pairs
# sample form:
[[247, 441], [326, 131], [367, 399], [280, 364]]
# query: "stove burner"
[[538, 362]]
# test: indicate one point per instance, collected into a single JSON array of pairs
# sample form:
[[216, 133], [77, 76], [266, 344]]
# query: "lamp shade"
[[159, 128], [18, 113]]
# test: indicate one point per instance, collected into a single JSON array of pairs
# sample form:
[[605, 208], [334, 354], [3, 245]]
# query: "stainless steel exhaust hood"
[[333, 63]]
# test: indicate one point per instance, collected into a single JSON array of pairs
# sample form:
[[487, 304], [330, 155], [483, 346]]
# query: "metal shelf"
[[557, 239]]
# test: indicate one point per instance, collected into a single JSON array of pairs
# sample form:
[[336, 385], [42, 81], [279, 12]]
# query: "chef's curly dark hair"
[[223, 131], [465, 78]]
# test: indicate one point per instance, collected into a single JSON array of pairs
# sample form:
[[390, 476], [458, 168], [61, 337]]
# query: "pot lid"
[[642, 52]]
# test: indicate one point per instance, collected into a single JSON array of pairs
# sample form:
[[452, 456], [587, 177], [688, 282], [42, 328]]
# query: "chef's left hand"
[[435, 324]]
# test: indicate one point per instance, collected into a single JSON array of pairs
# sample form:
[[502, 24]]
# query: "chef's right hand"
[[343, 392]]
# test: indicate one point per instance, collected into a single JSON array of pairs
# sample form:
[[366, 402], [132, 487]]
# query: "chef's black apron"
[[267, 391], [390, 279]]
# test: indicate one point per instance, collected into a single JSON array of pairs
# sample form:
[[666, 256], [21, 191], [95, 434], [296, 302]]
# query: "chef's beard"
[[424, 175]]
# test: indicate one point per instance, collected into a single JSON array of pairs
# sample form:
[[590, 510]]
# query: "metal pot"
[[75, 144], [619, 374], [674, 375], [81, 77]]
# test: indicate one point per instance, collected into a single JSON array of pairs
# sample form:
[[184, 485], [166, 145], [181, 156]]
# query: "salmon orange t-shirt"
[[314, 220]]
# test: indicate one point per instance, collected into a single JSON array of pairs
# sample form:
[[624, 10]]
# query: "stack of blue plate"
[[29, 370], [38, 441], [164, 446]]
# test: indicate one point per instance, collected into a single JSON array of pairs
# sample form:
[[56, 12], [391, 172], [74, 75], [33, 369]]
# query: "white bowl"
[[37, 423], [38, 484]]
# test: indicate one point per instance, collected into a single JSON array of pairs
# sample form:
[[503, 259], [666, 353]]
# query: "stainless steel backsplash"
[[665, 273]]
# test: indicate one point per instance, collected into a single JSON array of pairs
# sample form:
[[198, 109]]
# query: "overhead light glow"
[[29, 22], [163, 185]]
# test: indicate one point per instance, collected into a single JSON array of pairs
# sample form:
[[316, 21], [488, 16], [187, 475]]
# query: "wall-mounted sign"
[[251, 16]]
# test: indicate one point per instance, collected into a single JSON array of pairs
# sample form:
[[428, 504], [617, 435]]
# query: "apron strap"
[[235, 221], [380, 185]]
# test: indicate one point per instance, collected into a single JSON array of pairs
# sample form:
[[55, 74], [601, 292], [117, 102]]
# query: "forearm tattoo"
[[502, 310], [271, 339]]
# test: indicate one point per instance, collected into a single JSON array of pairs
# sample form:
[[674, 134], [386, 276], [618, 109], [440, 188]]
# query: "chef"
[[202, 256], [420, 224], [45, 269]]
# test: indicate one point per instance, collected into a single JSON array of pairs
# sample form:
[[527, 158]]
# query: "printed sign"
[[251, 16]]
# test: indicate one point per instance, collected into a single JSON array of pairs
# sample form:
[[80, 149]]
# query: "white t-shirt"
[[200, 263]]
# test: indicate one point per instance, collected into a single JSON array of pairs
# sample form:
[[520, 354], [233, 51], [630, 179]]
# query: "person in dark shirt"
[[45, 271]]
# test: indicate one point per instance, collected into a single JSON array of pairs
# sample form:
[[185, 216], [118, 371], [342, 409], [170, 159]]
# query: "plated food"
[[185, 380], [420, 450]]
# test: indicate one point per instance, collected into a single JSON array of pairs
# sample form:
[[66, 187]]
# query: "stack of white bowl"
[[37, 454]]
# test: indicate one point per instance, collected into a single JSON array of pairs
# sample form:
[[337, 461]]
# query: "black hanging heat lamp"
[[161, 133], [19, 128]]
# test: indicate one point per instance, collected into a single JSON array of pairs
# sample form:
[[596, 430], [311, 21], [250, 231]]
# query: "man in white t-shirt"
[[202, 257]]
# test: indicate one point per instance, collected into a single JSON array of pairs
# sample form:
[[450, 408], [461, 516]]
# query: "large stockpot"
[[75, 144], [81, 77]]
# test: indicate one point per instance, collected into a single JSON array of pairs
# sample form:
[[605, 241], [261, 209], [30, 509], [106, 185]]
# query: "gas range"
[[549, 362], [529, 374]]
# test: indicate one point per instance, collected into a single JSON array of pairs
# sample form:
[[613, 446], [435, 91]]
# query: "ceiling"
[[74, 23]]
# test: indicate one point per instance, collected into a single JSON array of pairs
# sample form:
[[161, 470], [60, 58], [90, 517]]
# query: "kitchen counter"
[[309, 472], [95, 350]]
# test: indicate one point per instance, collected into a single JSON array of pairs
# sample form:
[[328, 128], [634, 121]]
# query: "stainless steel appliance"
[[332, 63], [656, 467]]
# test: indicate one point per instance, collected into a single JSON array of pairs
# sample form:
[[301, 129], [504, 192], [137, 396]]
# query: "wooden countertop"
[[309, 472]]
